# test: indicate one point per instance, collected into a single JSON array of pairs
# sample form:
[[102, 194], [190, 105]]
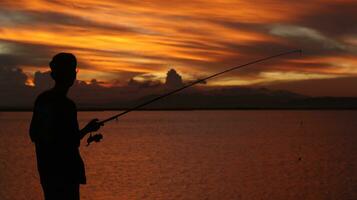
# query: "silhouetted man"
[[54, 130]]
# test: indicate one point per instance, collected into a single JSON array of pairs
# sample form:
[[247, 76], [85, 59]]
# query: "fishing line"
[[98, 137]]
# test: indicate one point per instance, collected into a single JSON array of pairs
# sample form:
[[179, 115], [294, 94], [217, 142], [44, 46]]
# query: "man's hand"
[[92, 126]]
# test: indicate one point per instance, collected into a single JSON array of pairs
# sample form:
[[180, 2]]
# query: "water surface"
[[200, 155]]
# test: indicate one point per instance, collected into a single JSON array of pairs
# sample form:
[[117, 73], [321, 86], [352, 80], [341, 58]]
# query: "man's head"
[[63, 69]]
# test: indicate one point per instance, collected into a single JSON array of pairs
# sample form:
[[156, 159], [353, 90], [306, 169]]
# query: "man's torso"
[[54, 129]]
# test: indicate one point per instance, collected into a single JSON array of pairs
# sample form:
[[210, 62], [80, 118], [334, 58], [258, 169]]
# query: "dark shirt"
[[54, 130]]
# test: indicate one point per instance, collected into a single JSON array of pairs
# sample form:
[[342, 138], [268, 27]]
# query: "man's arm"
[[41, 127]]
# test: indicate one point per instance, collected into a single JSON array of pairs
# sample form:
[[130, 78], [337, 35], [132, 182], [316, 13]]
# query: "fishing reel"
[[94, 138]]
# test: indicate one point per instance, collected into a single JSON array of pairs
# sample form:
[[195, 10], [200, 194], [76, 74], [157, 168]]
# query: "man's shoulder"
[[44, 97], [49, 98]]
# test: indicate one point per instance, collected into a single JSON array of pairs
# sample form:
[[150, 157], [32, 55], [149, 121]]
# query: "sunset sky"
[[115, 41]]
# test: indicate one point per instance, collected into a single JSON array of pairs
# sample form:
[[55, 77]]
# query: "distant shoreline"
[[186, 109]]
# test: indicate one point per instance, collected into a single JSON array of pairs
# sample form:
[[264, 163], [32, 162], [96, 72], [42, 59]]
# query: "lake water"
[[200, 155]]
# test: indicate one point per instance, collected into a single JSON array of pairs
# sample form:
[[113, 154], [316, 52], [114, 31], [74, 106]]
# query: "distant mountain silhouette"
[[238, 98], [217, 98]]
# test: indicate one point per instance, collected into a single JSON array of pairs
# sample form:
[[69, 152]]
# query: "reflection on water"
[[200, 155]]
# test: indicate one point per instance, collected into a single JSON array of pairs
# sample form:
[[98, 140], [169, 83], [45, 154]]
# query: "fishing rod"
[[98, 137]]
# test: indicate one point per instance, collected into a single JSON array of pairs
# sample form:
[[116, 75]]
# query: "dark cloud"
[[173, 79], [143, 84], [23, 54], [122, 77], [332, 18], [26, 18], [43, 80], [12, 77], [13, 91]]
